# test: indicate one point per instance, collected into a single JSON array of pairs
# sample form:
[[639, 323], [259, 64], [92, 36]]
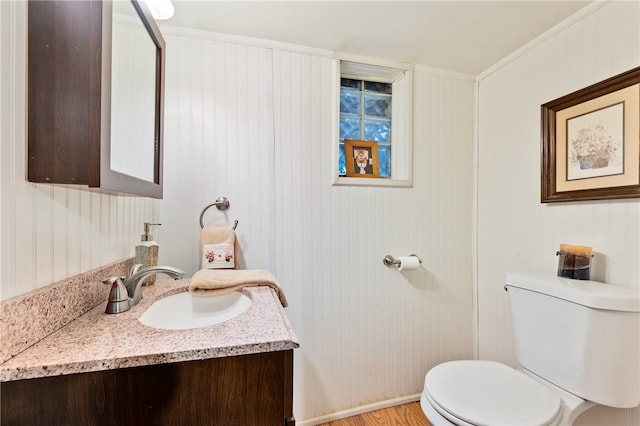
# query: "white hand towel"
[[218, 248]]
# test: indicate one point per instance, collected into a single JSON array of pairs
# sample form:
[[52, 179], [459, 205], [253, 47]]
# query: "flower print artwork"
[[590, 142], [595, 143], [218, 256], [211, 256]]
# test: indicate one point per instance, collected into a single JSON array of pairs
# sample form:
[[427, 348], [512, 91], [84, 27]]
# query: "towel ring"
[[221, 203]]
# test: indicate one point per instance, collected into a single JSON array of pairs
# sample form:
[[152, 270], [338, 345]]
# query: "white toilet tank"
[[582, 336]]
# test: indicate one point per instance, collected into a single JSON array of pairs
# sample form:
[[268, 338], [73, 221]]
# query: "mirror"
[[70, 69], [133, 80]]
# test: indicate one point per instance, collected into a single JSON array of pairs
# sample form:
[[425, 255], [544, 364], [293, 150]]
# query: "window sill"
[[380, 182]]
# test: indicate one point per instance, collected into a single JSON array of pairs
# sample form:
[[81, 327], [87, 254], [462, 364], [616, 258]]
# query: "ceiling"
[[462, 36]]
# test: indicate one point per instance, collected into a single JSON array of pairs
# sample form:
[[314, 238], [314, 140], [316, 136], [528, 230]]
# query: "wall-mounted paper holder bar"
[[391, 261]]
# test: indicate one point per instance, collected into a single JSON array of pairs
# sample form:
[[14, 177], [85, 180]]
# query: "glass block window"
[[375, 104], [365, 114]]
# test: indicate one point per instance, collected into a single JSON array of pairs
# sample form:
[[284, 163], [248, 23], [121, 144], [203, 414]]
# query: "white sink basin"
[[182, 311]]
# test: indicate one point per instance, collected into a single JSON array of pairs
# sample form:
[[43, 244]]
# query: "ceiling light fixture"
[[160, 9]]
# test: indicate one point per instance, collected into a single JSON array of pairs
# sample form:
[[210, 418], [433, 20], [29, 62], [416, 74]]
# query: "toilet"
[[578, 343]]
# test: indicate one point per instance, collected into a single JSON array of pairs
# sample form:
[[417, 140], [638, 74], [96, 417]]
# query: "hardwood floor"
[[401, 415]]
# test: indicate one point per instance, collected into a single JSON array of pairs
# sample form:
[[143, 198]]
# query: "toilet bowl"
[[571, 360], [489, 393]]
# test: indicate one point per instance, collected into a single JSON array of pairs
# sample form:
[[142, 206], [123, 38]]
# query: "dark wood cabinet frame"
[[68, 123], [245, 390]]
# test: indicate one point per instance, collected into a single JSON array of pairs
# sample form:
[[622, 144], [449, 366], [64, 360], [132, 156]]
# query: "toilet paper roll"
[[408, 263]]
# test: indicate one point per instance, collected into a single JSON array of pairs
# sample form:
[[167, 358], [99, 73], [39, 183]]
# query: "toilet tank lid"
[[588, 293]]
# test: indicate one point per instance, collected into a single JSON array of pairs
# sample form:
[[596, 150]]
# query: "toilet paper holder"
[[391, 261]]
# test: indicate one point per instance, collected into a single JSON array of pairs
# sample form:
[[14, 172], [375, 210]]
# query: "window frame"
[[401, 78]]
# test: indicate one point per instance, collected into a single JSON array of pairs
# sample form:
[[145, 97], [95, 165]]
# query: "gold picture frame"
[[591, 142], [361, 158]]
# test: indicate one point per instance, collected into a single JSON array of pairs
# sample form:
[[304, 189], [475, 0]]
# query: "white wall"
[[516, 231], [50, 232], [255, 124], [368, 333]]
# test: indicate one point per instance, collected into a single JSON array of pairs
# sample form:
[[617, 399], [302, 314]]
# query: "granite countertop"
[[97, 341]]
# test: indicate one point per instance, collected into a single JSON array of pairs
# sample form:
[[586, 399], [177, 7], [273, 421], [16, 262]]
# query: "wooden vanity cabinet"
[[68, 97], [244, 390]]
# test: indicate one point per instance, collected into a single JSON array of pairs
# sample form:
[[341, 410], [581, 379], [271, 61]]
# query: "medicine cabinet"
[[95, 96]]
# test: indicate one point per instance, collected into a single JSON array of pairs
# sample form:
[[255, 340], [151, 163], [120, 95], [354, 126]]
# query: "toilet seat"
[[489, 393]]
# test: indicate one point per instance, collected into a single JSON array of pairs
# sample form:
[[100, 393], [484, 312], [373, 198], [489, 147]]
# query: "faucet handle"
[[118, 296], [134, 268], [111, 280]]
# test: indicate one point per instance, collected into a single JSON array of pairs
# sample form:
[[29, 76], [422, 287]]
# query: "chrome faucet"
[[137, 276], [127, 292]]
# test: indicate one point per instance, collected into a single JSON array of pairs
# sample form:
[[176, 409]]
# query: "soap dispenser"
[[147, 251]]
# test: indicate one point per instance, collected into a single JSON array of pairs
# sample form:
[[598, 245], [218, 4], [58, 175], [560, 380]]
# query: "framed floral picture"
[[591, 142], [361, 158]]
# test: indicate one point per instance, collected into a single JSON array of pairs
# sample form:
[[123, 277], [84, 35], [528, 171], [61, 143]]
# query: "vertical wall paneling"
[[219, 141], [50, 232], [256, 125], [8, 52], [516, 231], [367, 331]]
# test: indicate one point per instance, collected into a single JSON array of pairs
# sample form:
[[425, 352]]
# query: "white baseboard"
[[359, 410]]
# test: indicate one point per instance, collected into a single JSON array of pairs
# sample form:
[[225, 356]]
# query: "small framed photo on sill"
[[361, 158]]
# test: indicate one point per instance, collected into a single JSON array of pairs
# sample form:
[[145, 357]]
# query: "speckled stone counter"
[[30, 317], [97, 341]]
